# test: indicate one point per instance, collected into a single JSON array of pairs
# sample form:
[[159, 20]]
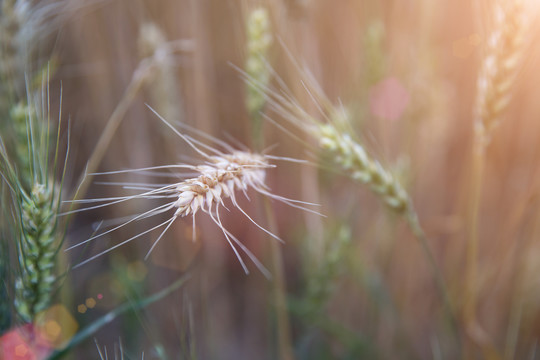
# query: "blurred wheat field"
[[417, 127]]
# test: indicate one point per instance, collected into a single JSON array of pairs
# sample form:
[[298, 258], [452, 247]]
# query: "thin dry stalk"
[[259, 40], [282, 316], [142, 74]]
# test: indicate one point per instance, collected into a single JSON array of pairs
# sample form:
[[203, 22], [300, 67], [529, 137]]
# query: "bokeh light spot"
[[104, 285], [55, 326], [81, 308], [21, 350], [23, 343], [52, 329], [90, 303], [388, 99], [137, 271]]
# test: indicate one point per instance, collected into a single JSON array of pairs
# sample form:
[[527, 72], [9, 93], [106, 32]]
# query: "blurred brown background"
[[382, 301]]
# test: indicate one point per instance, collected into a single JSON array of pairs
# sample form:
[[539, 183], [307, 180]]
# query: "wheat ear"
[[497, 76], [353, 158], [503, 54], [349, 155], [163, 86], [38, 250], [220, 178], [35, 200], [259, 40]]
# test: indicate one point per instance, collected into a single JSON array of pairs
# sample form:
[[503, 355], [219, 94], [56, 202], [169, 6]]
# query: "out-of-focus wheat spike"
[[500, 65], [10, 23], [346, 152], [259, 40], [352, 157], [163, 86], [497, 76]]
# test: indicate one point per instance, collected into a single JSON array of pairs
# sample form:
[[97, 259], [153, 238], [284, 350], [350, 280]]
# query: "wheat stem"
[[279, 285], [140, 75], [418, 232]]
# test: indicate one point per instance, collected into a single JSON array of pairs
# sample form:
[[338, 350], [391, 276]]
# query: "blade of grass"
[[113, 314]]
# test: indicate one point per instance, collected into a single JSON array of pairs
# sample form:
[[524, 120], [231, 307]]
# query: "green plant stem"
[[414, 224], [469, 311], [282, 318], [473, 329]]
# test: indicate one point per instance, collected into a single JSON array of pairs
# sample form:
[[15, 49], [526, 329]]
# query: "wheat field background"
[[439, 94]]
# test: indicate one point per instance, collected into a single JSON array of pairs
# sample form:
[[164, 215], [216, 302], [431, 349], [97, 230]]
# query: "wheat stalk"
[[347, 154], [221, 176], [258, 43], [144, 72]]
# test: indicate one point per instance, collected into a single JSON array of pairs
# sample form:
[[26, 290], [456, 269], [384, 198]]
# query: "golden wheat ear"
[[500, 65]]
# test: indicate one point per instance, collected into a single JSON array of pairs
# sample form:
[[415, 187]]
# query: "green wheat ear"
[[351, 157], [38, 249], [259, 40], [34, 201]]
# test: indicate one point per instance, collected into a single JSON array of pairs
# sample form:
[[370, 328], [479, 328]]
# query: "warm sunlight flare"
[[269, 179]]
